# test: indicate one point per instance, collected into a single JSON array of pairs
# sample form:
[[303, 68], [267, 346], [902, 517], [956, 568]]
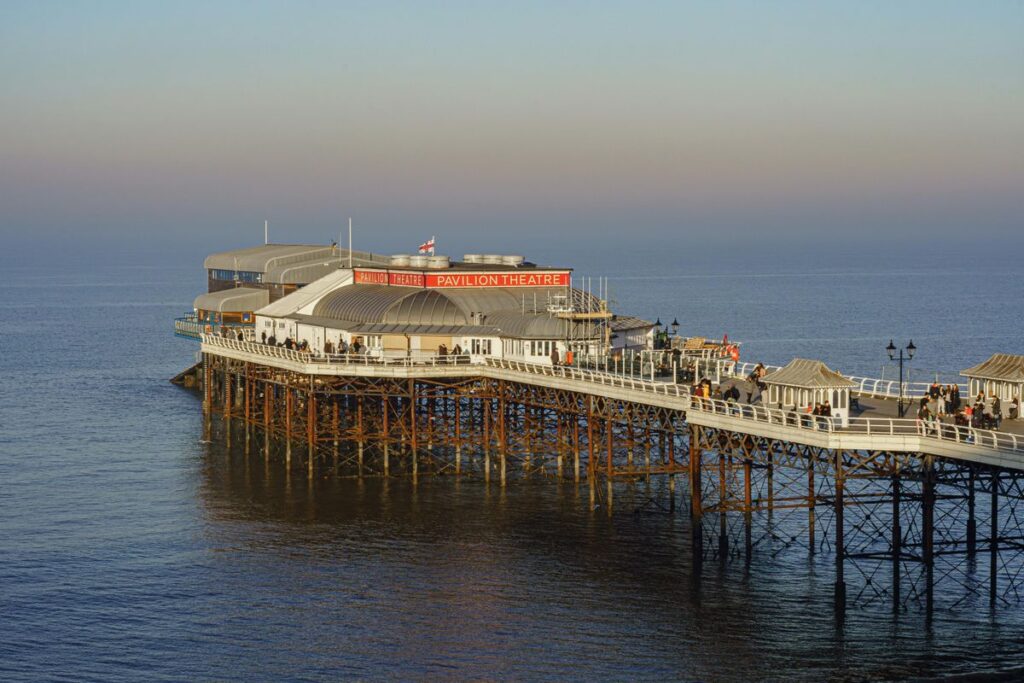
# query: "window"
[[541, 348], [235, 275], [480, 346]]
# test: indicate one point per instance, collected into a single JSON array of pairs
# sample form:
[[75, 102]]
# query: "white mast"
[[266, 232], [350, 242]]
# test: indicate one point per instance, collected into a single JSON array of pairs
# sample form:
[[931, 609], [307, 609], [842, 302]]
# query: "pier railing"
[[866, 386], [940, 431], [362, 359]]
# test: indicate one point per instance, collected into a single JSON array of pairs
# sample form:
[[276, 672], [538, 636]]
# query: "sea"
[[132, 550]]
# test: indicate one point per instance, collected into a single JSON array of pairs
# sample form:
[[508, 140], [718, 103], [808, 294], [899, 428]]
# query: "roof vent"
[[400, 260], [512, 260], [437, 262], [473, 258], [418, 261], [492, 259]]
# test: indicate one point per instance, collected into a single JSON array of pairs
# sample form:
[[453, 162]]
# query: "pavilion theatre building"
[[417, 306]]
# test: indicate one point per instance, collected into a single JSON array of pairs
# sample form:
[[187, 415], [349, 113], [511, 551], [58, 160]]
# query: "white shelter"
[[1001, 375], [803, 383]]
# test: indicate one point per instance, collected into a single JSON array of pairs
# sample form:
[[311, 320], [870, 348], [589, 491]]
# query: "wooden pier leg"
[[770, 483], [748, 507], [630, 441], [576, 449], [840, 586], [359, 430], [311, 431], [897, 542], [228, 382], [268, 411], [487, 440], [647, 447], [696, 502], [972, 524], [591, 461], [334, 432], [386, 434], [609, 467], [993, 548], [559, 443], [207, 384], [723, 529], [458, 435], [812, 500], [288, 401], [928, 529], [502, 430], [412, 429], [227, 388]]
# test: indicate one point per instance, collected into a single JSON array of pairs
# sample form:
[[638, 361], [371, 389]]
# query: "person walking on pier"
[[554, 356], [263, 337]]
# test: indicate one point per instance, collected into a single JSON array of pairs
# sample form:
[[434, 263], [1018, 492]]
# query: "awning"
[[237, 300], [808, 374], [1003, 367]]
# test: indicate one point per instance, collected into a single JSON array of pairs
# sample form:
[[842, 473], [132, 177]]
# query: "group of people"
[[343, 347], [442, 350], [982, 413]]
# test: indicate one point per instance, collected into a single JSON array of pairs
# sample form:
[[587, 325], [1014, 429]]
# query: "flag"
[[427, 247]]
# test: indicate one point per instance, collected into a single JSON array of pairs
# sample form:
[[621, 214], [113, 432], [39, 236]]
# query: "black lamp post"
[[675, 326], [891, 348]]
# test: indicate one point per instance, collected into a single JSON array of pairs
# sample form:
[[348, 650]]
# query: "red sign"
[[508, 279], [371, 277], [407, 278]]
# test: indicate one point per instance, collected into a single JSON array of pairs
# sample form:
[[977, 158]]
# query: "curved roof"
[[1001, 366], [290, 263], [237, 300], [425, 307], [488, 311], [360, 303], [528, 326], [807, 374]]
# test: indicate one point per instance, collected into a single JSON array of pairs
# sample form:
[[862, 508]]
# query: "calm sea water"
[[129, 550]]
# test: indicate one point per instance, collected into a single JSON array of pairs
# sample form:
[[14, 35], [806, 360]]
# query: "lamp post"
[[675, 326], [910, 349]]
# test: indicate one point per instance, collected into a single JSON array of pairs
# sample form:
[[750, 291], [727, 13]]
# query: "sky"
[[180, 127]]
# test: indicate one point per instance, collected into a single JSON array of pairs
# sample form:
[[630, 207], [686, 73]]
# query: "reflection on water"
[[455, 577]]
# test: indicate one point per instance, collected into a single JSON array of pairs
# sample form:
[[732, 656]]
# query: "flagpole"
[[350, 242], [266, 231]]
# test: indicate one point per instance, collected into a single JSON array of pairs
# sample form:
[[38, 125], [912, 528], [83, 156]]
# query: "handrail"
[[334, 358], [866, 386]]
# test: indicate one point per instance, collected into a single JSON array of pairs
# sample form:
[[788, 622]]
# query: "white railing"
[[866, 386], [592, 377], [360, 359]]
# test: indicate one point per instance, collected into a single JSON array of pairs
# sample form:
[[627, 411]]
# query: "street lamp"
[[910, 349], [675, 326]]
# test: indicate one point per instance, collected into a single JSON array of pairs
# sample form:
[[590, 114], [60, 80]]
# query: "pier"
[[901, 506]]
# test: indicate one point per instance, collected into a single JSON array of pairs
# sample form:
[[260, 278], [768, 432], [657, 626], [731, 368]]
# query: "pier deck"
[[874, 428]]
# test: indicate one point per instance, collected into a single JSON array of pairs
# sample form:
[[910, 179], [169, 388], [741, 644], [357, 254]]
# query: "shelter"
[[1001, 375], [230, 305], [803, 383]]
